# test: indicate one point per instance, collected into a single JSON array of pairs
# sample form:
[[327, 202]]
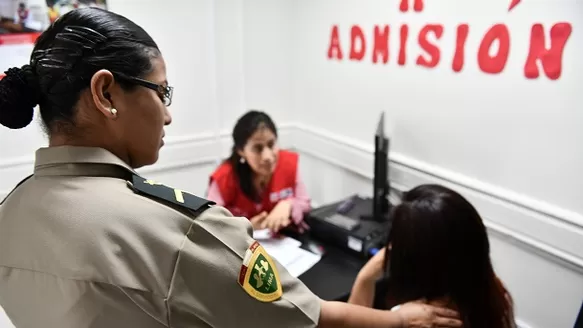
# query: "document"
[[263, 234], [287, 252]]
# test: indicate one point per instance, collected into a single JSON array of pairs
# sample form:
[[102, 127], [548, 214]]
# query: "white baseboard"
[[546, 230], [522, 324]]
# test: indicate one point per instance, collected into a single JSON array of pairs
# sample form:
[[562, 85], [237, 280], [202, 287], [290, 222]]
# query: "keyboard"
[[342, 221]]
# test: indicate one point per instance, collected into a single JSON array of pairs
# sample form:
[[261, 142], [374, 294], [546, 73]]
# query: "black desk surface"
[[332, 278]]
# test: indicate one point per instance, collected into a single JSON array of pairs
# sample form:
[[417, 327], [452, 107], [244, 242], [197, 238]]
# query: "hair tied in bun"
[[19, 94]]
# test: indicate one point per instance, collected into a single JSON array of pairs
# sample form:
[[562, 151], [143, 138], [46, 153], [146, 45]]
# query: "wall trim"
[[544, 229], [450, 176], [180, 152], [521, 324], [15, 162]]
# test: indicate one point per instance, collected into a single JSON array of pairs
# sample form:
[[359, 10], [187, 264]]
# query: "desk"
[[331, 278]]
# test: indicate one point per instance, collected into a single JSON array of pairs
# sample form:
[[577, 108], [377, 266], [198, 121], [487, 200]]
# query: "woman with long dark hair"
[[438, 250], [259, 180]]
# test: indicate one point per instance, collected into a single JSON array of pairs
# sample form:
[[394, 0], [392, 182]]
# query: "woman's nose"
[[267, 155], [167, 117]]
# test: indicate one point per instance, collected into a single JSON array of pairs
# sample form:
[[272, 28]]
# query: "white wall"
[[511, 145], [456, 121], [8, 8], [229, 45], [268, 56]]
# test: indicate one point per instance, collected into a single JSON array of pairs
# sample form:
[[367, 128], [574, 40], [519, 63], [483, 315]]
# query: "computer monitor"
[[381, 187]]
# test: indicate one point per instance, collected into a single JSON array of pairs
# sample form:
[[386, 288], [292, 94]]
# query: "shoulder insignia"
[[175, 196], [259, 276]]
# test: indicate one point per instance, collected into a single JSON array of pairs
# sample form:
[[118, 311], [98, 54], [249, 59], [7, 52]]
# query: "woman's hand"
[[419, 315], [258, 220], [410, 315], [373, 269], [279, 217]]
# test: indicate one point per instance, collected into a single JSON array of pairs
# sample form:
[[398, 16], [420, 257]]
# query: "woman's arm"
[[214, 194], [340, 315], [363, 292], [301, 202], [410, 315], [364, 288], [291, 209]]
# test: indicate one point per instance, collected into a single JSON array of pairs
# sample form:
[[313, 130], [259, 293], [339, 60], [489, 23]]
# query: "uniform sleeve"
[[206, 283]]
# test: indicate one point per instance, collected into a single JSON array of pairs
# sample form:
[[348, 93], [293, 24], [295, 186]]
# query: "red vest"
[[281, 186]]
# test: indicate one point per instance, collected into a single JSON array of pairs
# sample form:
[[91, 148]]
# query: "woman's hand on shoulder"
[[420, 315]]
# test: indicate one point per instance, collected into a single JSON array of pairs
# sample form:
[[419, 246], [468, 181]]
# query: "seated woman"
[[437, 250], [259, 181]]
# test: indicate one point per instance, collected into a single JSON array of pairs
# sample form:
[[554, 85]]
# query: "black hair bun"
[[19, 95]]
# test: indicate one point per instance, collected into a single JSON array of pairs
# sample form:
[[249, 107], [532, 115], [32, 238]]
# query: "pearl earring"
[[242, 160], [113, 111]]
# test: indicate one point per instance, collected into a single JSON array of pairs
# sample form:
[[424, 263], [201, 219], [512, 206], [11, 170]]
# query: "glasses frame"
[[165, 91]]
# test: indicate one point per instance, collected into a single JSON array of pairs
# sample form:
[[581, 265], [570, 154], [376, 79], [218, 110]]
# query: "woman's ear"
[[240, 153], [101, 86]]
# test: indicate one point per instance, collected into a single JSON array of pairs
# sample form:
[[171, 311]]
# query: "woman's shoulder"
[[288, 160], [223, 171], [131, 201], [288, 155], [224, 178]]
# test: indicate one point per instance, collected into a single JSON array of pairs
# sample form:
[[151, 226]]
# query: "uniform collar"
[[80, 161]]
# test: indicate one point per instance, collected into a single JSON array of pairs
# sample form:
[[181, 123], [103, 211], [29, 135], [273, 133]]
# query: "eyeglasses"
[[165, 92]]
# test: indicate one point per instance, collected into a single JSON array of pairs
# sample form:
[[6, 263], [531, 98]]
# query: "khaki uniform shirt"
[[81, 245]]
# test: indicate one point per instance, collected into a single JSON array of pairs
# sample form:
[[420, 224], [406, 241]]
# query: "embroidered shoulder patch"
[[259, 276], [176, 196]]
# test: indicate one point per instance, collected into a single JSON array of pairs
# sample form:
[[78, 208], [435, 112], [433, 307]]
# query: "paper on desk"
[[288, 253], [303, 262], [262, 234], [280, 243]]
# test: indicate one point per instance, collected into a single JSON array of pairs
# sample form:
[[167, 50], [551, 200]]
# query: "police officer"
[[87, 242]]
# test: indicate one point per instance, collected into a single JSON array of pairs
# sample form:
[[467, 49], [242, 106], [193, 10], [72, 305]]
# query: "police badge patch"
[[259, 276]]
